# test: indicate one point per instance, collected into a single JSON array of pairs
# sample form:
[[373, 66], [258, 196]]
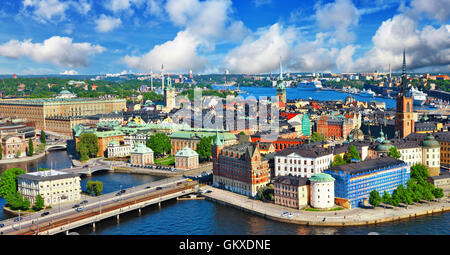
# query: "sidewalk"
[[346, 217]]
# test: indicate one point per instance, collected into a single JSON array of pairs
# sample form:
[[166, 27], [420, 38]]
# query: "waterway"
[[202, 217]]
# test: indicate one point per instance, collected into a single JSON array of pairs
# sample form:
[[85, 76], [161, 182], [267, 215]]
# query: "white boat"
[[419, 97], [312, 85], [367, 93]]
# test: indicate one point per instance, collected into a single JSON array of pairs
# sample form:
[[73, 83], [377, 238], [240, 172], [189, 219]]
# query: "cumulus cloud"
[[122, 5], [261, 52], [203, 23], [58, 50], [339, 17], [434, 9], [107, 24], [69, 72], [54, 10], [425, 47], [177, 55]]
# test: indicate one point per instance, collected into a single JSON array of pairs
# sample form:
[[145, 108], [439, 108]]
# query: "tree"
[[94, 188], [26, 204], [204, 147], [438, 192], [30, 147], [8, 182], [159, 143], [352, 153], [386, 198], [338, 160], [317, 137], [374, 198], [419, 172], [43, 138], [39, 203], [88, 145], [394, 153]]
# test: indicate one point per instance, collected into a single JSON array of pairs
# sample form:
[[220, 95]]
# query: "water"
[[299, 93]]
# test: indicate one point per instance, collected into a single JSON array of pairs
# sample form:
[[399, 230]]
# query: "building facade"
[[54, 186], [186, 159], [322, 191], [141, 155]]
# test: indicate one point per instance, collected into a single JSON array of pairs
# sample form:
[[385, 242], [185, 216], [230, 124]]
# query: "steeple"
[[217, 140], [162, 76], [404, 81], [281, 71]]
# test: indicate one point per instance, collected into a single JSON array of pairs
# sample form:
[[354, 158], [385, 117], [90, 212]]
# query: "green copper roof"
[[430, 142], [141, 149], [322, 177], [217, 140], [384, 146], [186, 152]]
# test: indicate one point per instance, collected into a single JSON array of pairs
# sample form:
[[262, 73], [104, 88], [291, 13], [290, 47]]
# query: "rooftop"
[[367, 165], [47, 175]]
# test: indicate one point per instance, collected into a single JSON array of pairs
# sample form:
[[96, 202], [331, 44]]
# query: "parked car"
[[147, 187], [2, 225], [79, 209], [84, 202], [18, 219], [208, 191], [158, 188], [45, 214], [76, 206]]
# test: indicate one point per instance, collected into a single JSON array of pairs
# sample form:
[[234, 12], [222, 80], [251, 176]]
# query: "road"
[[66, 210]]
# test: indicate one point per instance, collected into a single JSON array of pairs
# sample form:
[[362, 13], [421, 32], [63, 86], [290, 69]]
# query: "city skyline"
[[113, 36]]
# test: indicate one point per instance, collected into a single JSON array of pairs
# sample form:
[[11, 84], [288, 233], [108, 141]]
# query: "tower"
[[162, 77], [216, 146], [404, 122], [169, 96], [281, 89], [151, 79]]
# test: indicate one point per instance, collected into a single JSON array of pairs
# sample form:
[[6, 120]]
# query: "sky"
[[213, 36]]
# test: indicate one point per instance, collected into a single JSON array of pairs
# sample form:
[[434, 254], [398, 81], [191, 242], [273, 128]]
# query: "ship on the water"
[[311, 85], [367, 93], [419, 97]]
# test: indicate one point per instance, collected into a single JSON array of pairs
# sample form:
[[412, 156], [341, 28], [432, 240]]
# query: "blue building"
[[355, 181]]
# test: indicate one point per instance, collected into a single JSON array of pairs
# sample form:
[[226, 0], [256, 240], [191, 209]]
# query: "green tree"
[[352, 153], [26, 204], [386, 198], [88, 145], [14, 200], [30, 147], [394, 153], [43, 138], [374, 198], [94, 188], [438, 192], [338, 160], [8, 182], [204, 147], [419, 172], [159, 143], [39, 203], [317, 137]]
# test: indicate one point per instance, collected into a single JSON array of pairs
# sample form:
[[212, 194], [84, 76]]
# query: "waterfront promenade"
[[346, 217]]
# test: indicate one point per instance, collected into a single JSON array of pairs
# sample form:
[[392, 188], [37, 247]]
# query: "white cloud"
[[54, 10], [261, 53], [434, 9], [58, 50], [259, 3], [69, 72], [424, 48], [107, 24], [339, 17], [122, 5], [177, 55]]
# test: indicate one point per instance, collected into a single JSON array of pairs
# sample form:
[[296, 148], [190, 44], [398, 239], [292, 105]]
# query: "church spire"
[[404, 81], [281, 71]]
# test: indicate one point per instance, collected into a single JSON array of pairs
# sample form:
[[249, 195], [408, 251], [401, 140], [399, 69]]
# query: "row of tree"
[[417, 189]]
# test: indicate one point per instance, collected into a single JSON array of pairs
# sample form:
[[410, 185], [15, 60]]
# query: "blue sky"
[[211, 36]]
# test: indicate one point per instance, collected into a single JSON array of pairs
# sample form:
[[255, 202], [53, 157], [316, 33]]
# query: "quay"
[[64, 218], [341, 218]]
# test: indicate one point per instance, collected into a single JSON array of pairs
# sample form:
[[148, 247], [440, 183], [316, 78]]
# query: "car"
[[285, 214], [84, 202], [159, 188], [76, 206], [79, 209], [118, 193], [45, 214], [179, 183], [208, 191], [123, 191], [2, 225], [147, 187], [18, 219], [189, 180]]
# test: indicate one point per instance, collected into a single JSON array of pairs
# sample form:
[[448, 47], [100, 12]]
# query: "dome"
[[357, 134], [141, 149], [430, 142], [322, 177], [384, 146]]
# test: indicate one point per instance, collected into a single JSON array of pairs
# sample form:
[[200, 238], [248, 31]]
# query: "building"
[[303, 161], [322, 191], [169, 96], [239, 168], [54, 186], [291, 191], [186, 159], [15, 136], [404, 118], [141, 155], [65, 94], [117, 150], [180, 139], [431, 155], [334, 128], [38, 110], [355, 181], [104, 138], [281, 90]]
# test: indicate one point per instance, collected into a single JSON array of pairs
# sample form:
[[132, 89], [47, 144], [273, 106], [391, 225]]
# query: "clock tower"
[[404, 122]]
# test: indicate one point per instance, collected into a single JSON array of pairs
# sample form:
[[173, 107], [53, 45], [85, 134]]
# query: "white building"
[[54, 186], [322, 191], [303, 161], [116, 150]]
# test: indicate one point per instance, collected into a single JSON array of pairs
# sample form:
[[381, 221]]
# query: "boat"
[[419, 97], [367, 93], [311, 85]]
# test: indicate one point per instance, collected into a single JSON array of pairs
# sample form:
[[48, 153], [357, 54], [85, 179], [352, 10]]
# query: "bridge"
[[56, 146], [62, 219]]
